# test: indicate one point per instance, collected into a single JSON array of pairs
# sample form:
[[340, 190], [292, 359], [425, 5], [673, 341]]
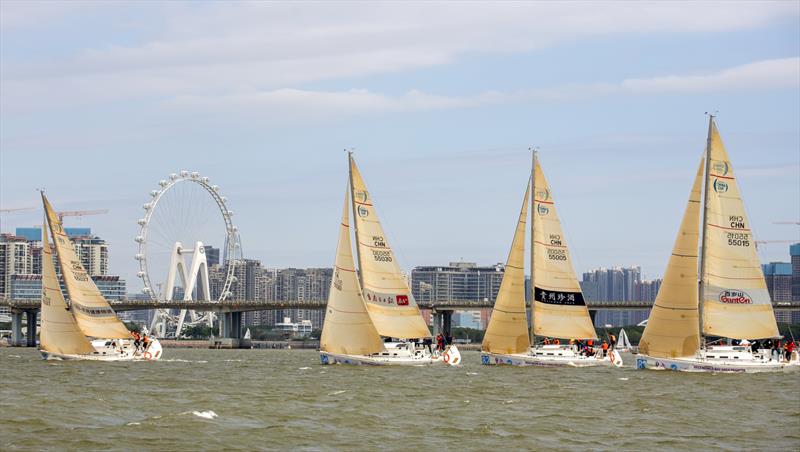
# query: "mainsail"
[[672, 329], [559, 309], [736, 301], [507, 331], [60, 332], [92, 312], [348, 328], [389, 301]]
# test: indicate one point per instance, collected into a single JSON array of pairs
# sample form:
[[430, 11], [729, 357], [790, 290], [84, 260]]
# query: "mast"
[[533, 212], [353, 208], [701, 292]]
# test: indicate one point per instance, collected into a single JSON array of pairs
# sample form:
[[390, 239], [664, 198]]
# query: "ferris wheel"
[[186, 217]]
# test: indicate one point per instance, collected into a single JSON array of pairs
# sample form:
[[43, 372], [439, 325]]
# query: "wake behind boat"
[[732, 301], [374, 303], [66, 330], [558, 312]]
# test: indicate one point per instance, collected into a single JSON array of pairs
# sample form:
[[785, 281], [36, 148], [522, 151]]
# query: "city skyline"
[[102, 102]]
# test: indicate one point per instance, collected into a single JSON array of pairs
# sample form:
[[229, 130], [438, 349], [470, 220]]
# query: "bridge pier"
[[31, 328], [442, 322], [230, 331], [17, 338], [16, 328]]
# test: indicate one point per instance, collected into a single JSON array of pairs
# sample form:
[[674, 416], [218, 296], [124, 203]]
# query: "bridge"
[[261, 305], [230, 312]]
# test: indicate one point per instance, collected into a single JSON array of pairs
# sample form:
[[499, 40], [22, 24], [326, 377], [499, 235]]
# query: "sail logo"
[[543, 195], [720, 186], [402, 300], [361, 196], [721, 168], [363, 212], [730, 296], [543, 210], [337, 280]]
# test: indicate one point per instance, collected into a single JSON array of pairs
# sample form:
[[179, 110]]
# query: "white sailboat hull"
[[723, 359], [395, 354], [104, 351], [551, 356]]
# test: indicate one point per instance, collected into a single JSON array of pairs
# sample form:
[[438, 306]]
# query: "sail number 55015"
[[738, 239]]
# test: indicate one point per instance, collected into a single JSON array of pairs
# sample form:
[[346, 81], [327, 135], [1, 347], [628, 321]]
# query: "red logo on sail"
[[735, 297], [402, 300]]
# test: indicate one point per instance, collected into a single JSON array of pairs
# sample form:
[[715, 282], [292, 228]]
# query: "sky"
[[440, 102]]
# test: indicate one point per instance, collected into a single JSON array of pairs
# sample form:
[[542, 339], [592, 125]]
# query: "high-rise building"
[[310, 284], [778, 276], [212, 255], [619, 284], [463, 281], [29, 287], [15, 259], [35, 234], [794, 251], [93, 253], [91, 250]]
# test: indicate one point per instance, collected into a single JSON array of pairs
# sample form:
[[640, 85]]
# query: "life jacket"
[[605, 346], [556, 341], [590, 343]]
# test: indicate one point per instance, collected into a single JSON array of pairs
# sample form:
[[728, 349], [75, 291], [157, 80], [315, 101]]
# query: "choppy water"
[[280, 399]]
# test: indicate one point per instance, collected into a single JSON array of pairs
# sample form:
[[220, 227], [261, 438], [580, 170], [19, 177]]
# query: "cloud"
[[291, 103], [778, 73], [225, 49]]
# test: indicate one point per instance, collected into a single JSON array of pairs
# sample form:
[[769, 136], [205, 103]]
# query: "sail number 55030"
[[382, 255]]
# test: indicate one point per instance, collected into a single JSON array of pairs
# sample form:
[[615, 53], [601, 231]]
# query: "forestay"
[[92, 312], [389, 301], [347, 328], [559, 307], [672, 329], [60, 332], [507, 331], [736, 301]]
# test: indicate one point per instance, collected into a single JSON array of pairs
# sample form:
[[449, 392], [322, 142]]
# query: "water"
[[283, 399]]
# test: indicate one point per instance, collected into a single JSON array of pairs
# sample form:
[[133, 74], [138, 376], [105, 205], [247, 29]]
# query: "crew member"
[[613, 341], [605, 348]]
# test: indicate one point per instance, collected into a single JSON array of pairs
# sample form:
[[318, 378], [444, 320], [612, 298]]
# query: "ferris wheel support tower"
[[194, 279]]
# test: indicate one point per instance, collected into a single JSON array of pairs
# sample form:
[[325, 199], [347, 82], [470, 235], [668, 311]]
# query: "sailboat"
[[371, 315], [731, 301], [558, 311], [87, 329], [623, 343]]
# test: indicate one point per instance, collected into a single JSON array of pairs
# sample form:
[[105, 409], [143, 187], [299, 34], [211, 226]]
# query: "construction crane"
[[79, 213], [16, 209], [65, 213], [761, 242]]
